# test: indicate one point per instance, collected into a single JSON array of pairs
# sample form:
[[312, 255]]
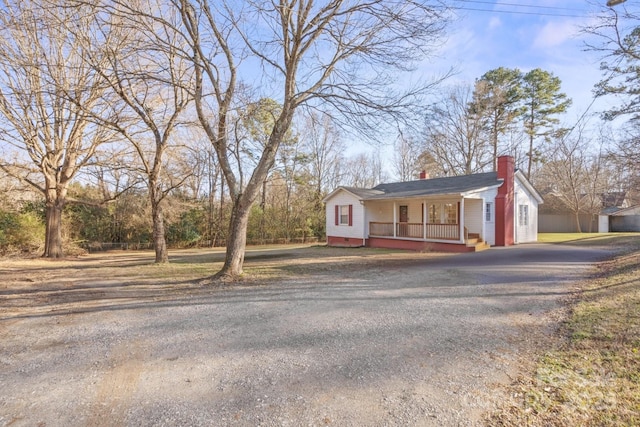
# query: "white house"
[[459, 213]]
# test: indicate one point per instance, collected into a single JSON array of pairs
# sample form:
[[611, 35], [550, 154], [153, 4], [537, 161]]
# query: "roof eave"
[[529, 187], [391, 197], [336, 191], [462, 194], [480, 190]]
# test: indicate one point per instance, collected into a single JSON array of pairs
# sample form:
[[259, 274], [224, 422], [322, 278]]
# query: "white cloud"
[[556, 33], [495, 22]]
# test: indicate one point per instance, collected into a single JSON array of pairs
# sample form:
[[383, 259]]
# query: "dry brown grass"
[[129, 278], [592, 376]]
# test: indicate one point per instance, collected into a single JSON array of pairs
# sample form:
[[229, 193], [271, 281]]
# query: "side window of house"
[[451, 213], [344, 215], [523, 215], [488, 212]]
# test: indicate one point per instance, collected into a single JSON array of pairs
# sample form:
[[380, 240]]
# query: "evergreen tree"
[[542, 101]]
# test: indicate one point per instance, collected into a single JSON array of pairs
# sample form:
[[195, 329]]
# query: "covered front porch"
[[411, 223], [416, 230]]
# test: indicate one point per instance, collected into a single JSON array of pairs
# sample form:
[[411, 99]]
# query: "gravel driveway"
[[424, 342]]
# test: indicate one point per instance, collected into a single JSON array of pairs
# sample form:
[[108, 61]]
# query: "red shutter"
[[350, 215], [337, 215]]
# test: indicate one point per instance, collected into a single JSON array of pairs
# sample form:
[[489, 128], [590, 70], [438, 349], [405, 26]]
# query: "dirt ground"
[[312, 336]]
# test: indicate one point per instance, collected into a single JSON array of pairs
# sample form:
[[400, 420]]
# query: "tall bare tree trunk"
[[494, 143], [529, 126], [299, 30], [242, 200], [221, 212], [236, 238], [530, 155], [578, 227], [159, 240], [47, 93], [53, 236]]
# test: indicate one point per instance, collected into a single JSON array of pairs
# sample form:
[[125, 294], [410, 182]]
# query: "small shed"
[[625, 220]]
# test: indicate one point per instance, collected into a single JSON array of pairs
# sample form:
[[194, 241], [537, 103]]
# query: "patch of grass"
[[593, 378], [179, 271], [588, 239]]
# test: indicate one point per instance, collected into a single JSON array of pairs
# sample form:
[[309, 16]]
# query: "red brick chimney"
[[504, 202]]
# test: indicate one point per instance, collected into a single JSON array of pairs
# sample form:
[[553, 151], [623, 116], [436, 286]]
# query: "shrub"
[[20, 232]]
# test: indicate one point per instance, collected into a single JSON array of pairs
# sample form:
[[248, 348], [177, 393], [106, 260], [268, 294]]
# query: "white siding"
[[473, 215], [356, 230], [488, 232], [603, 224], [379, 211], [529, 232], [383, 211], [415, 212]]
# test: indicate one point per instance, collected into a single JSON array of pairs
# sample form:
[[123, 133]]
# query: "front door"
[[404, 218]]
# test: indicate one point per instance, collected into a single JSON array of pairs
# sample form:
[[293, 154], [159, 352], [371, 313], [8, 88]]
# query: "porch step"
[[476, 243], [473, 239], [480, 246]]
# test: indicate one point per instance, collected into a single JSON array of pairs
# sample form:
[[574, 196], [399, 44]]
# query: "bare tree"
[[364, 170], [146, 70], [576, 177], [345, 55], [325, 147], [429, 164], [625, 155], [616, 34], [406, 154], [455, 135], [48, 95]]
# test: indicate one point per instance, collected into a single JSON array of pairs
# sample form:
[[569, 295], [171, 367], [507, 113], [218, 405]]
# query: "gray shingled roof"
[[363, 193], [431, 187]]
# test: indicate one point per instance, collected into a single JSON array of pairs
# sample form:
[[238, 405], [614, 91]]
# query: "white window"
[[451, 213], [523, 215], [434, 214], [445, 213], [344, 215], [488, 212]]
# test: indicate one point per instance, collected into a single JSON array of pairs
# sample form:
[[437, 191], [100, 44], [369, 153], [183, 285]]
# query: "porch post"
[[462, 221], [483, 215], [395, 213], [424, 220]]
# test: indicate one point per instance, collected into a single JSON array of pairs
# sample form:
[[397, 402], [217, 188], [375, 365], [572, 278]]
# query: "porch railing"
[[415, 230]]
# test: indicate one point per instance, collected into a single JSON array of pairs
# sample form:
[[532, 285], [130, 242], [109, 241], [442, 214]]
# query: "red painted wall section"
[[344, 242], [504, 202], [411, 245], [414, 245]]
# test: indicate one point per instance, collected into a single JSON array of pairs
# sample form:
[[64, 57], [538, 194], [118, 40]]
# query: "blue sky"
[[525, 34]]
